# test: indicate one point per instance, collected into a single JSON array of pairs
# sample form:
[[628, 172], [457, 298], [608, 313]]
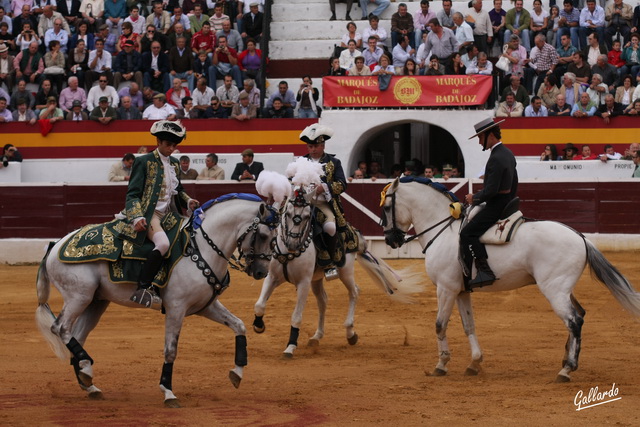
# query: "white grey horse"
[[246, 225], [294, 261], [545, 253]]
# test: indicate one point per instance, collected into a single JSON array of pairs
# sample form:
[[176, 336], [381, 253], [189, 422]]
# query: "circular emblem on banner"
[[407, 90]]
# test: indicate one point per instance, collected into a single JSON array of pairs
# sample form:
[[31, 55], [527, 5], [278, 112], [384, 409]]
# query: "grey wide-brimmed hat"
[[485, 125]]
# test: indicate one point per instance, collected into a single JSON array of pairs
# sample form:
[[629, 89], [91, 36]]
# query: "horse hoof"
[[470, 372], [438, 372], [353, 340], [96, 395], [313, 342], [235, 379], [258, 330], [563, 379], [287, 356], [172, 403]]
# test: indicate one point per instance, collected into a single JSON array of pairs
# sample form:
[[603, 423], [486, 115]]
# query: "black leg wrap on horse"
[[78, 352], [76, 369], [241, 350], [258, 322], [293, 336], [166, 377]]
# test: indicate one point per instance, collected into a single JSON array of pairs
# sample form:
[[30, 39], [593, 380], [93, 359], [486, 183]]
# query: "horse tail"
[[387, 279], [609, 276], [44, 315]]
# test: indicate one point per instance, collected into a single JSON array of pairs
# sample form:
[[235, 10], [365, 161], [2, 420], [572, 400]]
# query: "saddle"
[[505, 228], [98, 242], [347, 242]]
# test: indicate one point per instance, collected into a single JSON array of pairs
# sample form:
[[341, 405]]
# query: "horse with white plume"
[[294, 259]]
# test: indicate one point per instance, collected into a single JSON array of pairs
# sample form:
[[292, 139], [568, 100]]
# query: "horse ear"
[[394, 185]]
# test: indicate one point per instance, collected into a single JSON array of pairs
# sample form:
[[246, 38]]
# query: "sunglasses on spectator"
[[102, 81], [150, 31], [213, 104]]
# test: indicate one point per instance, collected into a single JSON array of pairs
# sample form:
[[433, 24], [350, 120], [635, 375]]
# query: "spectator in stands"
[[624, 93], [609, 109], [21, 91], [593, 50], [23, 113], [102, 90], [6, 36], [421, 20], [46, 90], [216, 110], [211, 170], [197, 18], [372, 54], [402, 25], [375, 31], [335, 69], [586, 154], [308, 96], [542, 61], [72, 93], [631, 57], [565, 55], [464, 32], [614, 57], [248, 169], [550, 153], [570, 89], [277, 111], [234, 39], [539, 20], [201, 66], [178, 18], [121, 170], [51, 112], [482, 31], [115, 12], [134, 92], [138, 22], [78, 62], [560, 108], [54, 64], [57, 33], [535, 108], [517, 56], [103, 113], [636, 161], [610, 154], [569, 23], [110, 39], [435, 68], [70, 12], [382, 5], [428, 172], [23, 15], [127, 110], [187, 110], [518, 22], [519, 92], [202, 95], [445, 15], [584, 108], [76, 114], [401, 52], [348, 56], [375, 171], [100, 64], [608, 72], [228, 94], [483, 66], [26, 36], [152, 35], [181, 63], [243, 110], [10, 154], [619, 16], [92, 11], [455, 65], [185, 171], [46, 21], [597, 90], [161, 19], [5, 114], [357, 174], [629, 152], [549, 91], [332, 7], [128, 65], [510, 107], [384, 67], [284, 93], [253, 92], [633, 109], [128, 36], [159, 110], [218, 17], [225, 61], [147, 96], [440, 41], [83, 34], [29, 64], [250, 61], [498, 22], [592, 21], [351, 34], [570, 151], [177, 93], [155, 67], [411, 68]]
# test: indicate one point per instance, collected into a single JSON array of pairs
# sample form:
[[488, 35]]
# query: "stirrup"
[[146, 296], [481, 280], [330, 273]]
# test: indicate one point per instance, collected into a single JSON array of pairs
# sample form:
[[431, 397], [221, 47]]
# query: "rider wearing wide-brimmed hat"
[[499, 188], [327, 198], [154, 196]]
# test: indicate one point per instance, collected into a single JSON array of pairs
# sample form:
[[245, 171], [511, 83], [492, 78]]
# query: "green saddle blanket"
[[98, 242]]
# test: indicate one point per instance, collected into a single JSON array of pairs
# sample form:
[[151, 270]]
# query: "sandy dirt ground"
[[379, 381]]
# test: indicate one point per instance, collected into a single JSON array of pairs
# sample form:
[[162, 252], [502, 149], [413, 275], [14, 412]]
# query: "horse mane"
[[435, 185], [198, 213]]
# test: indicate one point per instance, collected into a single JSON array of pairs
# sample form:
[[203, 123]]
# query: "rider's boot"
[[331, 272], [484, 276], [146, 294]]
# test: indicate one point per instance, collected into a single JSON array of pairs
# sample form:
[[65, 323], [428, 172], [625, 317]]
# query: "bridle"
[[304, 237]]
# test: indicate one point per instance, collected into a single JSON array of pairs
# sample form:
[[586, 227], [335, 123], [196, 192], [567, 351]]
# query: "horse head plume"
[[304, 172], [274, 186]]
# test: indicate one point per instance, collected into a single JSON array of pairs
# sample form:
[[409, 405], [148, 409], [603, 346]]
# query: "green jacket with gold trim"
[[337, 183], [145, 186]]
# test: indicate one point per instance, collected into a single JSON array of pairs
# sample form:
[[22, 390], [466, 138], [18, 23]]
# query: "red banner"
[[406, 91]]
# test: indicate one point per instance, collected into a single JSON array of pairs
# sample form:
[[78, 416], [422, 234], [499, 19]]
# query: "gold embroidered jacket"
[[337, 183]]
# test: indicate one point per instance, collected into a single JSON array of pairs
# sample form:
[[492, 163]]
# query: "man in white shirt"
[[138, 22], [102, 89], [47, 19], [592, 20], [202, 95], [159, 110], [536, 109], [99, 64], [483, 31], [401, 53], [228, 94], [375, 31], [464, 32], [57, 33]]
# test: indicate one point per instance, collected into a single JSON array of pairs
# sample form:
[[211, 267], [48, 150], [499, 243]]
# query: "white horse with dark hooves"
[[294, 261], [243, 224], [531, 258]]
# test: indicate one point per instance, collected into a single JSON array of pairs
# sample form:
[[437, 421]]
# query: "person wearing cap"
[[127, 65], [499, 188], [76, 114], [103, 113], [154, 201], [327, 195], [7, 69], [159, 110], [570, 151], [249, 6], [252, 24], [447, 171], [51, 112], [247, 169]]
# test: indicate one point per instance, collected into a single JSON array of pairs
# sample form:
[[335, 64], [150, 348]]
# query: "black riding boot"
[[146, 294], [331, 272], [484, 276]]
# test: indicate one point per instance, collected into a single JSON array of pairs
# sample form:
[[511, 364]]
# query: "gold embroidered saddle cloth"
[[98, 242], [347, 242], [503, 231]]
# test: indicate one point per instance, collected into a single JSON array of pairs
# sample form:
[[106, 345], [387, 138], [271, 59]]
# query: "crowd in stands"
[[571, 152], [415, 167]]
